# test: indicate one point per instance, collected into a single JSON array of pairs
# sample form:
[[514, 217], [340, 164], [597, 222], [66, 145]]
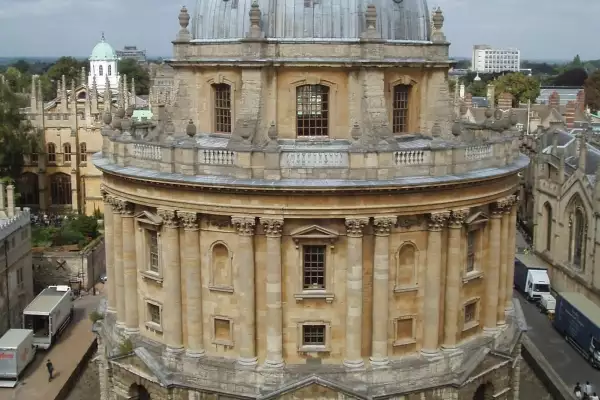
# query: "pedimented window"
[[151, 257]]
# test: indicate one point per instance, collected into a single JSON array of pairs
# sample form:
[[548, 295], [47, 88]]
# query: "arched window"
[[312, 110], [60, 189], [51, 152], [222, 92], [579, 238], [109, 70], [28, 190], [100, 70], [67, 151], [400, 108], [83, 152], [548, 215]]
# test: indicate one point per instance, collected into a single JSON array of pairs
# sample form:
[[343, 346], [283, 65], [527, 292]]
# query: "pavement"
[[66, 355]]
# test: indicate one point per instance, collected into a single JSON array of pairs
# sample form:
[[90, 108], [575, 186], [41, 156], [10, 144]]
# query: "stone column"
[[245, 288], [354, 291], [109, 246], [454, 267], [172, 308], [432, 290], [510, 271], [130, 269], [506, 206], [492, 274], [272, 228], [381, 290], [118, 206], [193, 283]]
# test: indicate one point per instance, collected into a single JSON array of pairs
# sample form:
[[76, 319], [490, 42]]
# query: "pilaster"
[[381, 272], [119, 283], [354, 291], [433, 275], [510, 271], [273, 228], [109, 246], [245, 226], [492, 274], [506, 205], [129, 269]]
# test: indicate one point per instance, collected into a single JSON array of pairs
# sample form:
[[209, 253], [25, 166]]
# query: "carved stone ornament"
[[169, 217], [184, 18], [458, 217], [383, 225], [104, 194], [272, 226], [219, 221], [117, 205], [355, 226], [437, 220], [406, 221], [244, 225], [504, 205], [189, 220], [128, 209]]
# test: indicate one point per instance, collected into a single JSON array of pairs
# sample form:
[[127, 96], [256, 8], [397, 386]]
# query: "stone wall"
[[61, 267]]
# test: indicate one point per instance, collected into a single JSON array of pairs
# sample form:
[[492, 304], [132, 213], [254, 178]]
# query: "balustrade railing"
[[147, 152], [217, 157], [411, 157], [475, 153]]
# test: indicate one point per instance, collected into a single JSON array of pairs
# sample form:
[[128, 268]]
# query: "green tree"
[[571, 77], [17, 136], [22, 65], [592, 91], [133, 69], [67, 66], [576, 63], [523, 87], [16, 80], [478, 88]]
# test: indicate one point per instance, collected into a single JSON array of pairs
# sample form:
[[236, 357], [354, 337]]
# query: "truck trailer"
[[578, 319], [49, 314], [531, 276], [16, 353]]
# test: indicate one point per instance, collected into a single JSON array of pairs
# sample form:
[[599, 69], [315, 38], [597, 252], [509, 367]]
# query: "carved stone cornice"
[[504, 205], [458, 218], [169, 217], [105, 195], [244, 225], [406, 221], [383, 225], [355, 226], [117, 204], [437, 220], [128, 209], [272, 226], [189, 220]]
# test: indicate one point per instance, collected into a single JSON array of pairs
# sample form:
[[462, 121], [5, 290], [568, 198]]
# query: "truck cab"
[[594, 352], [538, 284]]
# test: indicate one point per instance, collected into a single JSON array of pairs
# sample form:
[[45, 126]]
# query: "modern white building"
[[103, 65], [486, 59]]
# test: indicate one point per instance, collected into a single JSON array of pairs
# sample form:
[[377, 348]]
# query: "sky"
[[541, 29]]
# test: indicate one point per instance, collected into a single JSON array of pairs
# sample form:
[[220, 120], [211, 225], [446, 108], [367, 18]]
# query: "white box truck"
[[531, 276], [16, 352], [49, 314]]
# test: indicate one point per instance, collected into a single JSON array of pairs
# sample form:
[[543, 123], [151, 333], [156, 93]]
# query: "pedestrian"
[[587, 388], [577, 391], [50, 369], [594, 397]]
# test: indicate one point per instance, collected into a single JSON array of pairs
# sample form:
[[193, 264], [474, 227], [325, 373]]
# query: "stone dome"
[[103, 52], [311, 19]]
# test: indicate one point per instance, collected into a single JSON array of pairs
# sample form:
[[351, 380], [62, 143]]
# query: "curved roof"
[[103, 52], [311, 19]]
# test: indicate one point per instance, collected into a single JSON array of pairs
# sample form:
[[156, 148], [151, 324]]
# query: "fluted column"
[[172, 308], [454, 267], [245, 287], [510, 271], [272, 228], [130, 269], [492, 274], [505, 241], [193, 283], [433, 275], [381, 290], [118, 206], [354, 291], [109, 246]]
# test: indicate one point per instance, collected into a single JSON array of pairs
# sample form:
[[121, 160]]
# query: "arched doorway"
[[138, 392], [485, 391]]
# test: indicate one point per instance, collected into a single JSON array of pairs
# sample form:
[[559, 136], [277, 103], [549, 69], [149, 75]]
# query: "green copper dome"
[[103, 52]]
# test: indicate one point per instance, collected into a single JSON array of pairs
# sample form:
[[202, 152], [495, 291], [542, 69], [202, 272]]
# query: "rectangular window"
[[405, 331], [314, 266], [470, 312], [312, 110], [153, 251], [154, 313], [222, 108], [222, 331], [83, 152], [471, 247], [400, 109], [313, 335], [20, 277]]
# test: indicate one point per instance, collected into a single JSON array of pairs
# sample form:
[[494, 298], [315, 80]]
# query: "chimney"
[[554, 100], [10, 200], [580, 101], [491, 95], [505, 101], [570, 114], [468, 100]]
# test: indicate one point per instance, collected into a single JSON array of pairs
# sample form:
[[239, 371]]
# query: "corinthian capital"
[[458, 217], [355, 226], [383, 225], [169, 217], [189, 220], [244, 225], [272, 226], [437, 220]]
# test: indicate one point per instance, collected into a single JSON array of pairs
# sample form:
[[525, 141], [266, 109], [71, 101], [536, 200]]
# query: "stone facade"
[[311, 245]]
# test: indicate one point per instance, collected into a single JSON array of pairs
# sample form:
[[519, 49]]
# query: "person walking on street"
[[587, 388], [577, 391], [594, 397], [50, 369]]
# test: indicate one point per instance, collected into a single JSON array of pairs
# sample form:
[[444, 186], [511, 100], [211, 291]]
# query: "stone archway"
[[138, 392], [485, 391]]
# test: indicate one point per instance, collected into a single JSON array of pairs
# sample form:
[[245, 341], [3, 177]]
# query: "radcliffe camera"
[[284, 199]]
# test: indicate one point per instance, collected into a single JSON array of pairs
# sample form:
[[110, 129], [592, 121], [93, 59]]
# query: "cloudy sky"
[[542, 29]]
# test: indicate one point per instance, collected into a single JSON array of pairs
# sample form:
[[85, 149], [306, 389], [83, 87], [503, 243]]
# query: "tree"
[[67, 66], [132, 69], [571, 77], [576, 63], [17, 136], [478, 88], [22, 65], [16, 80], [524, 88], [592, 91]]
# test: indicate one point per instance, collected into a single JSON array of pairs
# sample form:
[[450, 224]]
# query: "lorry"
[[578, 319], [16, 353], [531, 276], [547, 304], [49, 314]]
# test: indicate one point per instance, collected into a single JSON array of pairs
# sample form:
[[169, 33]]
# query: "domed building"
[[103, 66], [305, 219]]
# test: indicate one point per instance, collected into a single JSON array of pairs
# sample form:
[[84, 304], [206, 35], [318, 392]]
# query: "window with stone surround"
[[110, 71], [51, 147], [548, 218], [314, 336], [67, 152], [470, 314], [222, 331], [83, 152], [400, 103], [20, 278], [405, 330], [153, 316], [150, 258], [60, 189], [100, 70], [312, 111], [222, 107], [153, 251], [313, 267], [471, 249]]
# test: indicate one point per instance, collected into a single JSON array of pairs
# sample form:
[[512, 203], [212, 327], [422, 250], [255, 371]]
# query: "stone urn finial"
[[190, 129], [355, 132], [437, 21], [255, 16], [184, 18], [107, 118], [272, 132], [371, 16]]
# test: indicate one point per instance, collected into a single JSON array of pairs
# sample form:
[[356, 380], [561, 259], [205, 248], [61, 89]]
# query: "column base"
[[431, 354], [500, 324], [131, 331], [195, 353], [273, 364], [509, 309], [120, 326], [451, 349], [490, 331], [379, 362], [172, 356], [354, 364], [247, 362]]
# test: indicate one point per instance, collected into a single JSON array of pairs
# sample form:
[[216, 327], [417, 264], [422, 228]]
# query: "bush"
[[43, 236], [95, 316], [80, 231], [68, 236], [125, 347], [86, 225]]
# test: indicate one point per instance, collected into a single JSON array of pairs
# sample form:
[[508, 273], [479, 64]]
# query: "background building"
[[487, 59], [310, 224], [103, 67], [133, 53]]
